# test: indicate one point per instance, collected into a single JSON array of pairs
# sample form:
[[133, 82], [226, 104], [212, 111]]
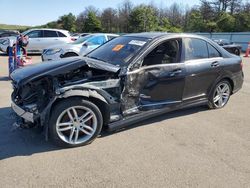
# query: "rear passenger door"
[[202, 62], [49, 38]]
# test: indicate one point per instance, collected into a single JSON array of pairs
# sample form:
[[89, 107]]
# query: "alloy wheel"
[[221, 95], [76, 125]]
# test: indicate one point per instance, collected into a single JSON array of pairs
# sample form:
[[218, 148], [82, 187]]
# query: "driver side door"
[[159, 82]]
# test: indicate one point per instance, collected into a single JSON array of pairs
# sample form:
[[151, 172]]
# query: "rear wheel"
[[220, 95], [75, 122]]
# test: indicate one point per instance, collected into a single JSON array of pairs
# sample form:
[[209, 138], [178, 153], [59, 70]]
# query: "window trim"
[[180, 59], [214, 48]]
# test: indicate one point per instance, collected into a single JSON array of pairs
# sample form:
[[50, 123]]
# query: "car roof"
[[154, 35], [63, 30]]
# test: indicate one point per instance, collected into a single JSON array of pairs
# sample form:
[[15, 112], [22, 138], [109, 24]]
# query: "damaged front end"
[[38, 88]]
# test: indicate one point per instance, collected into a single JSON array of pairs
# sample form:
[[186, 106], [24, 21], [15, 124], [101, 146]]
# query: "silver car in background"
[[80, 47], [40, 39]]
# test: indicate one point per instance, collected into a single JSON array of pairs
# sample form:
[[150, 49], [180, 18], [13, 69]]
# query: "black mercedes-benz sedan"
[[126, 80]]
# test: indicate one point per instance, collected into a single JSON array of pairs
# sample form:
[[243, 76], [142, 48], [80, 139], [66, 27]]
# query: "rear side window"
[[195, 49], [99, 40], [48, 34], [60, 34], [35, 34], [212, 51]]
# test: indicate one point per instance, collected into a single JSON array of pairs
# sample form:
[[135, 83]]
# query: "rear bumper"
[[238, 81], [28, 116]]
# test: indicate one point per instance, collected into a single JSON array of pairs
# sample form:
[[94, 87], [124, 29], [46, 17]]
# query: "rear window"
[[48, 34], [195, 49]]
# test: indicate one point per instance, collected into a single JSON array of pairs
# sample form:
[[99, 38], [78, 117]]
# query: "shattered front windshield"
[[119, 50]]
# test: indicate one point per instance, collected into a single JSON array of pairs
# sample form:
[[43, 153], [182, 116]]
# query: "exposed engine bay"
[[37, 95]]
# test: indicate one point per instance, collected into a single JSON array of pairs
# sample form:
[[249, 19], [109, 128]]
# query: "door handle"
[[175, 72], [215, 64]]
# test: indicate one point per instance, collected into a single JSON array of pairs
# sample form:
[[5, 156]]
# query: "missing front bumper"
[[28, 116]]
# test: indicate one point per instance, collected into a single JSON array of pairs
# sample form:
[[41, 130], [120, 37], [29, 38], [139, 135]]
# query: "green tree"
[[143, 18], [226, 22], [68, 22], [195, 21], [92, 23], [109, 20]]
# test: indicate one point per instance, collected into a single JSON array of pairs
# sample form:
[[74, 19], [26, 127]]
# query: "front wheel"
[[220, 95], [75, 122]]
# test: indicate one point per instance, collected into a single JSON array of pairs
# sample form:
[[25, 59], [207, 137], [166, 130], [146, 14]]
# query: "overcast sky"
[[38, 12]]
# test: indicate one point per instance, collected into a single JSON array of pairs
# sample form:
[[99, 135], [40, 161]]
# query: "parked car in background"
[[8, 33], [80, 47], [126, 80], [229, 46], [75, 36], [40, 39]]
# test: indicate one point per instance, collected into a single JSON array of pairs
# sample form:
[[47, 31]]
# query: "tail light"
[[72, 39]]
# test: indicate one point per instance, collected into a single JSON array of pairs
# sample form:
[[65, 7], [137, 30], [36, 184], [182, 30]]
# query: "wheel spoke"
[[84, 131], [71, 134], [76, 135], [225, 95], [65, 128], [84, 115], [75, 113], [87, 119], [224, 89], [216, 98], [88, 127], [218, 89], [220, 101], [70, 115]]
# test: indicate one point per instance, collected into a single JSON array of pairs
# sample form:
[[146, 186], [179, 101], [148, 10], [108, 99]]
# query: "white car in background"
[[40, 39], [80, 47]]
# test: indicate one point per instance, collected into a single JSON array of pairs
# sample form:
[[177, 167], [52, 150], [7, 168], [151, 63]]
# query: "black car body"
[[128, 79], [229, 46]]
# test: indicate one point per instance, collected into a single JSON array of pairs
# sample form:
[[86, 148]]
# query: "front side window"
[[48, 34], [35, 34], [195, 49], [212, 51], [165, 53], [119, 50]]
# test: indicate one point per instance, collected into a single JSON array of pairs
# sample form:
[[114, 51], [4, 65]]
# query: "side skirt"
[[152, 113]]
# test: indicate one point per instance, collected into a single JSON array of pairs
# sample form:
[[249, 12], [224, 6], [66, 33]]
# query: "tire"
[[220, 95], [69, 54], [66, 131]]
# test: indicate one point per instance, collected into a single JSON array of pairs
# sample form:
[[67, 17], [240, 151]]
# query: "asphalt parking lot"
[[188, 148]]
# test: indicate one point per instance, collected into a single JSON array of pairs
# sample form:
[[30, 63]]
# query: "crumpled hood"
[[52, 68]]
